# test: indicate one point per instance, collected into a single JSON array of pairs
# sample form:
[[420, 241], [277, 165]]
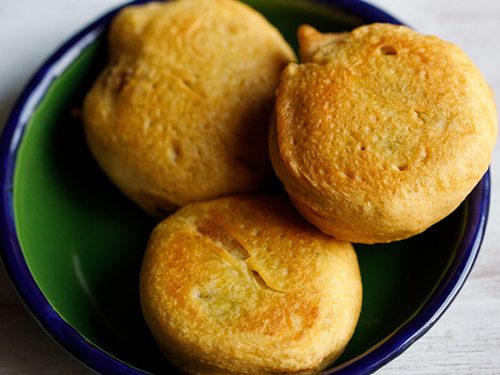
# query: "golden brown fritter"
[[244, 285], [380, 132], [181, 112]]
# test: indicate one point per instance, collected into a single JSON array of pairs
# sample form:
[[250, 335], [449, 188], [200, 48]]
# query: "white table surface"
[[467, 338]]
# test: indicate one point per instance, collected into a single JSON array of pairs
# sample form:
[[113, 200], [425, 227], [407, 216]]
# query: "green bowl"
[[73, 244]]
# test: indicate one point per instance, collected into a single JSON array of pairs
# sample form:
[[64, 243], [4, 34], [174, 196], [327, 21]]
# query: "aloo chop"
[[181, 112], [380, 132], [244, 285]]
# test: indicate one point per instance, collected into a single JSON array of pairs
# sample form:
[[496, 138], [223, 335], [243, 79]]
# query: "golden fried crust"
[[382, 132], [244, 285], [310, 40], [181, 111]]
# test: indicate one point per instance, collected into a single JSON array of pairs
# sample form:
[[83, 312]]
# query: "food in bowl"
[[381, 132], [245, 285], [90, 305], [180, 114]]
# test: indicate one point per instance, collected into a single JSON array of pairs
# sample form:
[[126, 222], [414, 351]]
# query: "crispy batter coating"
[[181, 112], [244, 285], [380, 132]]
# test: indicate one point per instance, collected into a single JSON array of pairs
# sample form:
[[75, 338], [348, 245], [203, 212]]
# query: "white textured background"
[[465, 341]]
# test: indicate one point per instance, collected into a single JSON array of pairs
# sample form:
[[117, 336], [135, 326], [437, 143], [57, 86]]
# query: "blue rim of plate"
[[93, 357]]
